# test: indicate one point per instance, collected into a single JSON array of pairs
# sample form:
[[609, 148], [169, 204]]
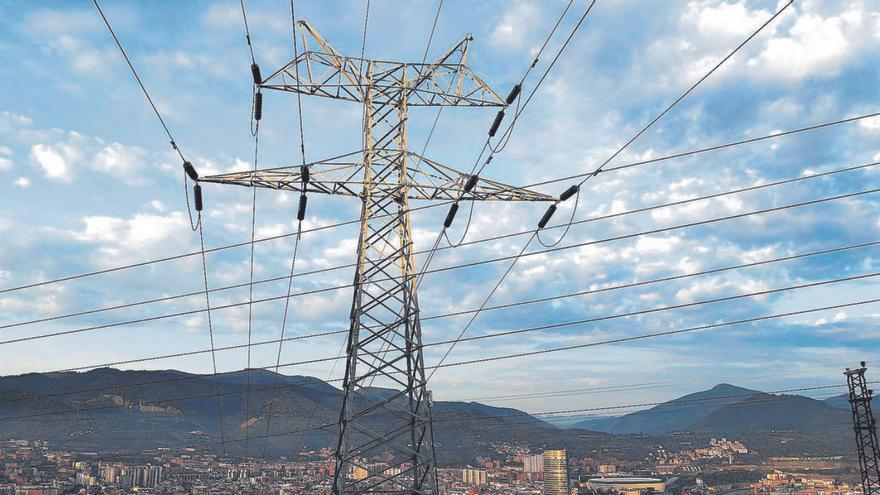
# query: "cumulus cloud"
[[55, 161], [517, 25], [656, 244], [808, 40], [730, 20], [870, 124], [120, 161], [22, 182], [814, 45], [120, 240]]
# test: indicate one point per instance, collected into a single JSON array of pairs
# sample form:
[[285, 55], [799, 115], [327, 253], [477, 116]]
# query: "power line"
[[658, 309], [653, 281], [434, 205], [748, 398], [302, 141], [492, 308], [656, 334], [207, 251], [687, 225], [663, 113], [313, 381], [247, 32], [280, 338], [505, 137], [689, 90], [592, 320], [139, 81], [711, 148], [255, 132], [658, 403], [137, 77], [211, 329], [477, 241], [522, 254], [550, 211], [500, 306], [751, 397]]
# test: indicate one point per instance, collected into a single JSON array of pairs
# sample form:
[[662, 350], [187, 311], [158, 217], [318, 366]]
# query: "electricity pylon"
[[866, 429], [385, 442]]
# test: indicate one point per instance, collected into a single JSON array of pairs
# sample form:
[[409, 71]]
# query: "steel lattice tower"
[[384, 340], [866, 429]]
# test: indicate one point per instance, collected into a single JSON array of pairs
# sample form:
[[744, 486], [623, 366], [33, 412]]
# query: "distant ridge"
[[736, 410], [842, 402], [131, 408], [675, 415], [111, 410]]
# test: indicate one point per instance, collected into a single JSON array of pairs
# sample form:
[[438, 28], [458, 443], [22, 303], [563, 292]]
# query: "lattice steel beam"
[[865, 428], [385, 440]]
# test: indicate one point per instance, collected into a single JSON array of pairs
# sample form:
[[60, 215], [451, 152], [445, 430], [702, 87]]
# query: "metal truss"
[[323, 71], [385, 440], [866, 429], [431, 180]]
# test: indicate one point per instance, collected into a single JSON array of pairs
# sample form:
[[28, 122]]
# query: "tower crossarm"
[[428, 180], [322, 71]]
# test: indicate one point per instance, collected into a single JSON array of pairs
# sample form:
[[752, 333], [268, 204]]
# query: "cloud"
[[814, 46], [121, 240], [733, 20], [22, 182], [870, 124], [120, 161], [809, 40], [656, 244], [53, 161], [62, 21], [11, 122], [516, 26]]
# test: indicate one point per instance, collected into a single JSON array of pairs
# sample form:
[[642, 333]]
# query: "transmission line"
[[452, 267], [756, 397], [497, 307], [255, 116], [710, 148], [514, 258], [209, 250], [171, 139], [516, 93], [434, 205], [604, 318], [576, 190], [210, 324], [281, 338], [666, 229], [656, 334], [660, 116], [659, 309]]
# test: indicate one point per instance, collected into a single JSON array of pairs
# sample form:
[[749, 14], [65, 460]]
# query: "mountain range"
[[728, 409], [104, 409]]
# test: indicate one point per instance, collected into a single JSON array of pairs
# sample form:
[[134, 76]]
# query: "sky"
[[88, 181]]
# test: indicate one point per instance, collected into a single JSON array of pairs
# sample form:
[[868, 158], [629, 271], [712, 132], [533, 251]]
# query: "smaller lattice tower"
[[866, 429]]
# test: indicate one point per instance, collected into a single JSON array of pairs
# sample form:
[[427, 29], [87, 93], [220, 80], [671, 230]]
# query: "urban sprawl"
[[721, 467]]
